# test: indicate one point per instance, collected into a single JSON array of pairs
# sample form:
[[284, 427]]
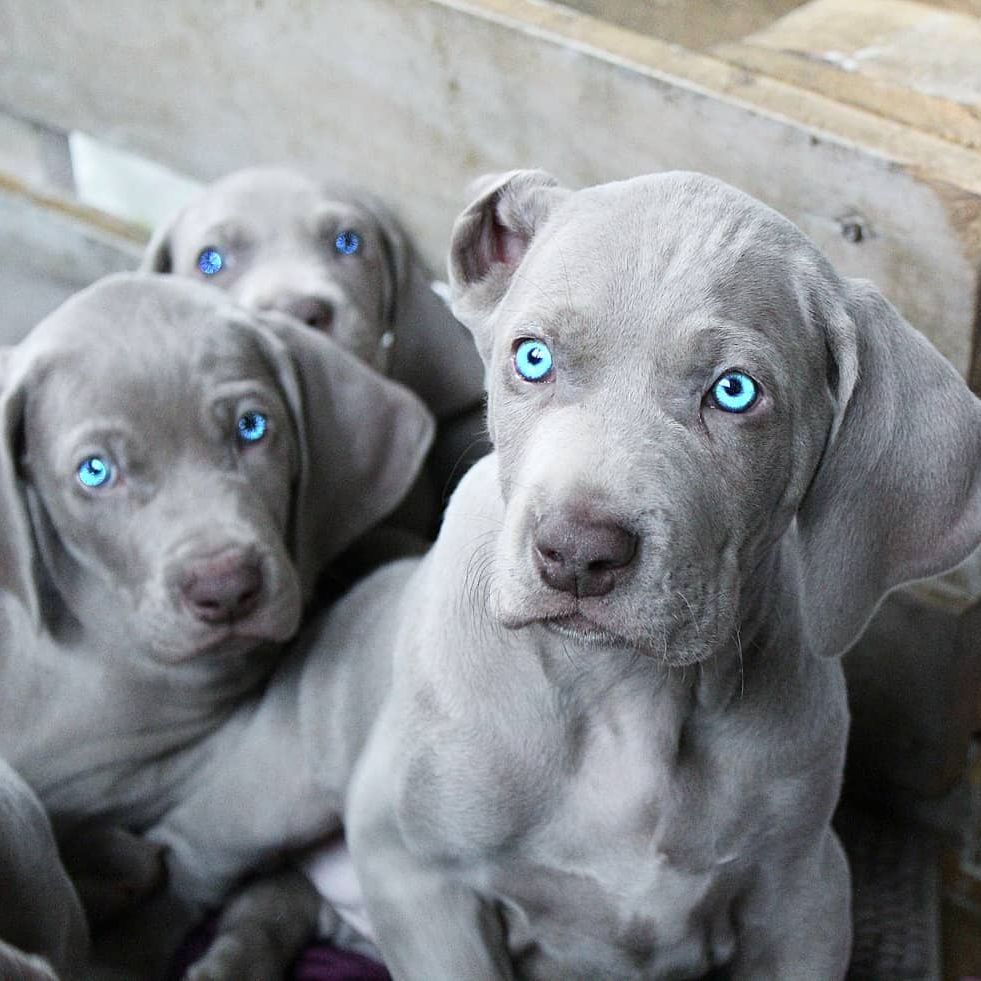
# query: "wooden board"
[[694, 24], [906, 61], [49, 248], [414, 99]]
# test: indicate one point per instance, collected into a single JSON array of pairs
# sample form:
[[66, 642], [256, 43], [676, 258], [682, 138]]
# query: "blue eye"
[[210, 261], [533, 360], [735, 391], [94, 472], [348, 242], [252, 426]]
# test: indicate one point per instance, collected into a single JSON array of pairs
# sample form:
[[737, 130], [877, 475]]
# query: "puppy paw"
[[113, 870], [232, 958]]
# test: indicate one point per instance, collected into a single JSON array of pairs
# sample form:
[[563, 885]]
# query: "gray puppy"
[[616, 723], [175, 473], [616, 730], [335, 258]]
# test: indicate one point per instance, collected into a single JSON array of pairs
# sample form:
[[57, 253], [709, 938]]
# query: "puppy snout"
[[224, 588], [583, 555], [314, 311]]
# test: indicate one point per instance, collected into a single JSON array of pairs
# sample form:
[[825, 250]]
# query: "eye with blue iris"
[[94, 472], [735, 391], [347, 242], [533, 360], [210, 261], [252, 426]]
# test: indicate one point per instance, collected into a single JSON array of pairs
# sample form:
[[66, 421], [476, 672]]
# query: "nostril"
[[602, 565], [614, 547], [313, 311], [322, 318]]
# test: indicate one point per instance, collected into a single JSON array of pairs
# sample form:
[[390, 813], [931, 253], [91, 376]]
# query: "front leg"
[[273, 782], [428, 926], [262, 929], [797, 921]]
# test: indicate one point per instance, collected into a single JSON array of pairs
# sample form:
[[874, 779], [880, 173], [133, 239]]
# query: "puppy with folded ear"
[[175, 473], [611, 721], [334, 257], [617, 723]]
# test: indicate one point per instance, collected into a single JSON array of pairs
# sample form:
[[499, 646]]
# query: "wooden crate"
[[859, 121]]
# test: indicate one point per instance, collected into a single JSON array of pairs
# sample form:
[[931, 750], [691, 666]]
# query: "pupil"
[[535, 356], [734, 387]]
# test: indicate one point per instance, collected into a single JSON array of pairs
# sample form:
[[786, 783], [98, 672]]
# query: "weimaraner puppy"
[[334, 257], [612, 720], [175, 473]]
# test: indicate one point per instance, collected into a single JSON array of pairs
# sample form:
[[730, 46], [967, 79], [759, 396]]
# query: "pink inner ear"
[[507, 245]]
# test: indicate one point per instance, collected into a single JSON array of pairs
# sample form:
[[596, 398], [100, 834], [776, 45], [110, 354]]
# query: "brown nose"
[[582, 555], [314, 311], [222, 589]]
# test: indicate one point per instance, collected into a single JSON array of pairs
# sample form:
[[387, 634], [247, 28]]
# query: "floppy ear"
[[897, 495], [395, 248], [491, 237], [16, 541], [157, 255], [362, 438], [433, 354]]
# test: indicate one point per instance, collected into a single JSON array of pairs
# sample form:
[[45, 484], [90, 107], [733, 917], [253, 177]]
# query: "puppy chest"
[[90, 741], [632, 869]]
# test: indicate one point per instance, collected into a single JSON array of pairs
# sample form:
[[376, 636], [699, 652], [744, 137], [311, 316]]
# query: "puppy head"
[[179, 471], [331, 257], [685, 398]]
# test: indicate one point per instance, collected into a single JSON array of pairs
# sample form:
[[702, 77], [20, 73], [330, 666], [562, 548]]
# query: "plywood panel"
[[49, 249], [906, 61]]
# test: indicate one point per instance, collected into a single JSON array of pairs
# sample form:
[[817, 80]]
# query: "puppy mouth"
[[571, 623], [583, 630]]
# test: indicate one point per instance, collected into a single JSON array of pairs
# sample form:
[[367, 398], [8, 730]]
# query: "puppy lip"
[[247, 633], [581, 627], [569, 621]]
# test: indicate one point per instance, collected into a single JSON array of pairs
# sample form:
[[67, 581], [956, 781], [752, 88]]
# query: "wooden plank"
[[702, 24], [694, 24], [37, 155], [415, 99], [49, 248], [903, 60]]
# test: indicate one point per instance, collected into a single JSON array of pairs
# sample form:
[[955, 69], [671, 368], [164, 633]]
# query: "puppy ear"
[[490, 239], [432, 353], [157, 255], [897, 495], [396, 253], [362, 439], [16, 541]]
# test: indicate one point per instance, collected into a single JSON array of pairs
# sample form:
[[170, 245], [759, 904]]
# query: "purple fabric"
[[324, 962], [318, 962]]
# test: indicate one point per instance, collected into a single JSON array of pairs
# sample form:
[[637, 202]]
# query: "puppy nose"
[[582, 555], [312, 310], [222, 589]]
